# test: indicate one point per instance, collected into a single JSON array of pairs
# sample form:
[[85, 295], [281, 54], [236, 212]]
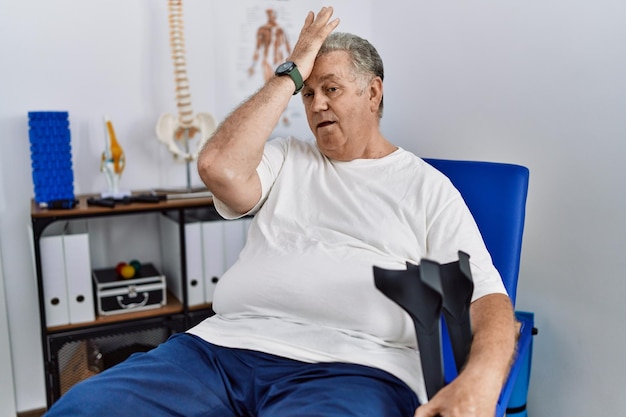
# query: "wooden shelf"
[[198, 307], [83, 209], [173, 306]]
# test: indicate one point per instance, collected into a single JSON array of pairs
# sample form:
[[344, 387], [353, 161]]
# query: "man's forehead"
[[332, 68]]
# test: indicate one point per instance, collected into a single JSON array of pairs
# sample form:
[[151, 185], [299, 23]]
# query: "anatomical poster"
[[254, 36]]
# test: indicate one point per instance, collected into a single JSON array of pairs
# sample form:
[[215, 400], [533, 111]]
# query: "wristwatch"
[[290, 69]]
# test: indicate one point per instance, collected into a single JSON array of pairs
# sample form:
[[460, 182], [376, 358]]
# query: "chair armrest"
[[517, 381]]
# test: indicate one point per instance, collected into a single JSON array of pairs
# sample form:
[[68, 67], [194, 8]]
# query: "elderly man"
[[300, 329]]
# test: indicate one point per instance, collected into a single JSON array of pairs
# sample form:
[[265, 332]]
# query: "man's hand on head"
[[314, 32]]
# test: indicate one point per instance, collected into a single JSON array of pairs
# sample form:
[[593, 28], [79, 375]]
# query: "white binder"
[[211, 248], [54, 282], [78, 277], [172, 261], [195, 266], [213, 255]]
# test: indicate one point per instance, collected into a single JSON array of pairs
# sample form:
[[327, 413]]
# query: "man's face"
[[340, 108]]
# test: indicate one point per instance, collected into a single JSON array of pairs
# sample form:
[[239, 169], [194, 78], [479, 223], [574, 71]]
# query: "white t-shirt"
[[303, 285]]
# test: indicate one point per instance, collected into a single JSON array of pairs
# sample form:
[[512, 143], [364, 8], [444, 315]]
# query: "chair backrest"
[[496, 196]]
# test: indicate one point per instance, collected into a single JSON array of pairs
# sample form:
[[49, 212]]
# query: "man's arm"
[[227, 163], [475, 392]]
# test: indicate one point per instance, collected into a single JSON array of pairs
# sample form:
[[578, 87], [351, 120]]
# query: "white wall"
[[7, 393], [540, 83], [543, 84]]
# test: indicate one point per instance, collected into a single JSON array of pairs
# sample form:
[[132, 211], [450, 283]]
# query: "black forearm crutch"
[[424, 292]]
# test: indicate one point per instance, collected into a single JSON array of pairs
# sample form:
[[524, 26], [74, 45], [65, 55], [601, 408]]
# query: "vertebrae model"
[[171, 129]]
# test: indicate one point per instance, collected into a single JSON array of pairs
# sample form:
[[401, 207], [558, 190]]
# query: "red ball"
[[118, 268]]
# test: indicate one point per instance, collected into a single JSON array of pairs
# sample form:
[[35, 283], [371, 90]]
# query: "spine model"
[[172, 130], [183, 94]]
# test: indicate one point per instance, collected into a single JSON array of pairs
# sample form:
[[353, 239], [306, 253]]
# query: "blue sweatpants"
[[187, 376]]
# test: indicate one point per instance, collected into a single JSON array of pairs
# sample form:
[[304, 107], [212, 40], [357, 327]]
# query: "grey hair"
[[365, 58]]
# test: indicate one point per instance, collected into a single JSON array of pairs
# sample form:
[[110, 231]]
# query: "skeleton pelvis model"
[[176, 131], [172, 129]]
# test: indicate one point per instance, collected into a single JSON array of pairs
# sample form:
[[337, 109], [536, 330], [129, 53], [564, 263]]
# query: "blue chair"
[[496, 195]]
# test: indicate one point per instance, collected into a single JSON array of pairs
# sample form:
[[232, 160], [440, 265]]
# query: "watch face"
[[284, 67]]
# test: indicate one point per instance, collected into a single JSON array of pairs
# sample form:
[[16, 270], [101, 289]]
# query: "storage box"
[[116, 295]]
